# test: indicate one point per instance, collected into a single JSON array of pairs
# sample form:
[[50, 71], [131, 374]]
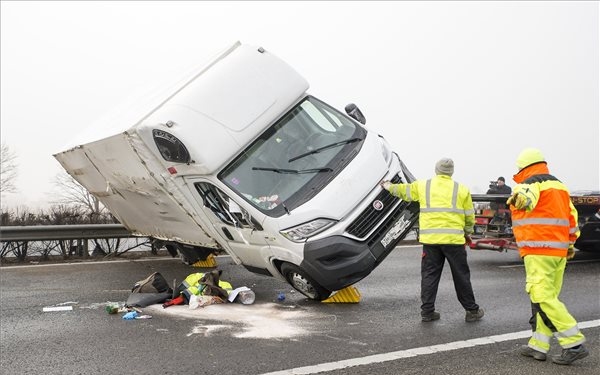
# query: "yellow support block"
[[209, 262], [347, 295]]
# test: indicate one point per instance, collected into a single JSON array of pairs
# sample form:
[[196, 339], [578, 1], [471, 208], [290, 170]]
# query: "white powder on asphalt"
[[264, 321]]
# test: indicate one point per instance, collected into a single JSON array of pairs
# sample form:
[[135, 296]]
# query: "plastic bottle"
[[112, 308], [246, 297]]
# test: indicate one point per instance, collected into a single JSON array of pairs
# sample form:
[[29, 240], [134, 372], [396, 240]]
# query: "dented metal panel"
[[117, 173]]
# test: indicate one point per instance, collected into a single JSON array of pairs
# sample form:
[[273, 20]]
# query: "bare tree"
[[71, 193], [8, 169]]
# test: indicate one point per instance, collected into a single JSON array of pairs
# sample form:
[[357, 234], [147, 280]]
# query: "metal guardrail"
[[63, 232]]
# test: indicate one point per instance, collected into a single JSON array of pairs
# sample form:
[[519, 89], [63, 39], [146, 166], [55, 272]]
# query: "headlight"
[[302, 232]]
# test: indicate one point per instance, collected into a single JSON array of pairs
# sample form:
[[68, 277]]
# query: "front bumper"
[[336, 262]]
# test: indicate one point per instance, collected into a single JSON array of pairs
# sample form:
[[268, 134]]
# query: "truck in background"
[[239, 157], [493, 230]]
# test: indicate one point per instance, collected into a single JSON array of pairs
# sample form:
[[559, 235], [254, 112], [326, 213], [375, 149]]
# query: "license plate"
[[395, 231]]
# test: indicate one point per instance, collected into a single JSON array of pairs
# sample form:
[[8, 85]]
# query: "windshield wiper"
[[317, 150], [293, 171]]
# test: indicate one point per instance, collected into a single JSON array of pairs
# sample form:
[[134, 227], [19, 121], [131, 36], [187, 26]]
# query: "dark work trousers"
[[432, 264]]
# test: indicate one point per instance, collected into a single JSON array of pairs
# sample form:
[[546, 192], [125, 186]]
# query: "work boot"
[[530, 352], [569, 355], [430, 317], [474, 315]]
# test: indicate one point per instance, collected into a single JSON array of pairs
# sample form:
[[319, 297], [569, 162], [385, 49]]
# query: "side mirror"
[[353, 111]]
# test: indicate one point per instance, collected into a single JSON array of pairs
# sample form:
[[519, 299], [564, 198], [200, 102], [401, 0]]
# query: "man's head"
[[529, 156], [444, 166], [501, 181]]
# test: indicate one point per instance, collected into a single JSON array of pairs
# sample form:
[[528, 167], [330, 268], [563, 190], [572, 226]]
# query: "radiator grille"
[[370, 217]]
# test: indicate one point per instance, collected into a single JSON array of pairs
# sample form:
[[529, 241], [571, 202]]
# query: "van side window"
[[227, 210]]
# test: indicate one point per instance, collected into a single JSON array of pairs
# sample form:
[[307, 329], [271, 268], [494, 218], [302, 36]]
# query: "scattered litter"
[[130, 315], [242, 294], [115, 308], [57, 308], [67, 303], [144, 317], [281, 297], [201, 301]]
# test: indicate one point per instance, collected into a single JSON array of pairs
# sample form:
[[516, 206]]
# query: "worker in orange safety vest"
[[544, 223]]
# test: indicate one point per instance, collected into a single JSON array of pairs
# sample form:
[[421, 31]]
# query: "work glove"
[[386, 185], [520, 201], [570, 252]]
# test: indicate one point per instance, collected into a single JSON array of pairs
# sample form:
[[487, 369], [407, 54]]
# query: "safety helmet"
[[529, 156]]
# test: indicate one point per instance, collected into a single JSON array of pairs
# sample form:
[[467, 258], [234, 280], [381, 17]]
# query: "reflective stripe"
[[539, 349], [454, 194], [553, 244], [568, 333], [427, 193], [546, 221], [185, 284], [578, 342], [441, 209], [469, 212], [408, 196], [541, 337], [441, 230], [573, 230]]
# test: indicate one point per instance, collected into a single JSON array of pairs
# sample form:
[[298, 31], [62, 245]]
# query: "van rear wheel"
[[303, 283]]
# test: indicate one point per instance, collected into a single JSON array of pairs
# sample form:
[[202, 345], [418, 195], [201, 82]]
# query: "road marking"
[[392, 356]]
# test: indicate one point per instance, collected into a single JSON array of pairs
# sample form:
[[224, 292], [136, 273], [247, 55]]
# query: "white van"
[[239, 157]]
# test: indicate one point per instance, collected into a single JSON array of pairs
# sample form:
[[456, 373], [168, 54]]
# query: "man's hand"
[[518, 200], [468, 240], [385, 184], [570, 252]]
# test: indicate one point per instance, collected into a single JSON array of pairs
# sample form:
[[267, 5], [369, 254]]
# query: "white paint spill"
[[264, 321]]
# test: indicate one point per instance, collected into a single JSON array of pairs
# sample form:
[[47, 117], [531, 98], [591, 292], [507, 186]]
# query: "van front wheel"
[[303, 283]]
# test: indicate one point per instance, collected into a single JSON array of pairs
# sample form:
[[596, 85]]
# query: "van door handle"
[[227, 234]]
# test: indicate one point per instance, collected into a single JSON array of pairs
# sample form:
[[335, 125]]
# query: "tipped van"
[[240, 157]]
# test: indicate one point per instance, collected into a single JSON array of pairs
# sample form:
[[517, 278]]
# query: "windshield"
[[295, 158]]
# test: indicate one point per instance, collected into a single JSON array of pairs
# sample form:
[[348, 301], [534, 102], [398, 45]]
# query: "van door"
[[243, 233]]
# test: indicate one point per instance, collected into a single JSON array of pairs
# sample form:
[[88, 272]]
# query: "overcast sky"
[[474, 81]]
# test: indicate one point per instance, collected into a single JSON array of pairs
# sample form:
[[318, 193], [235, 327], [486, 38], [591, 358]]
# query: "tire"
[[303, 283]]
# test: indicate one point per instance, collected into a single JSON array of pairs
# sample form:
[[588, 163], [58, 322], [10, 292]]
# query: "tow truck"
[[493, 229]]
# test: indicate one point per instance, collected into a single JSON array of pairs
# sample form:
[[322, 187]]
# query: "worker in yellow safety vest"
[[446, 221], [545, 228]]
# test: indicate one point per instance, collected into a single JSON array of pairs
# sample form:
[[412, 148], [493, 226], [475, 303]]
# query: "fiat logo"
[[378, 205]]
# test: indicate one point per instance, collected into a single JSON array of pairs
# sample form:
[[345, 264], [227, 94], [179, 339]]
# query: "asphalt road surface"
[[380, 335]]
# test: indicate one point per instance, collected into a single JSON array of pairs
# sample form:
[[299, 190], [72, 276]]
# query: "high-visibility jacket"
[[446, 209], [548, 225], [192, 285]]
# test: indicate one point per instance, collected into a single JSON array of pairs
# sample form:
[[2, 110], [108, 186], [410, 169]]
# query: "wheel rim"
[[302, 285]]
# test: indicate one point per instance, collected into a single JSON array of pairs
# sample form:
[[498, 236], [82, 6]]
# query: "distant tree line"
[[72, 204], [60, 214]]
